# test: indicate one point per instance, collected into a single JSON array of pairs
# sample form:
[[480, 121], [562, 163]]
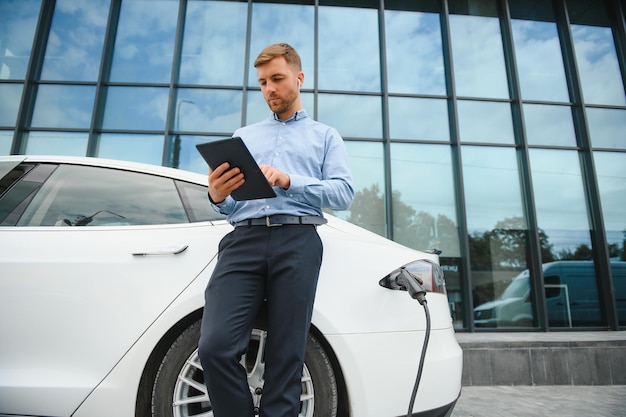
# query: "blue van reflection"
[[571, 297]]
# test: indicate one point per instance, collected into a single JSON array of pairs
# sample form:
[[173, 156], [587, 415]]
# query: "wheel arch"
[[144, 391]]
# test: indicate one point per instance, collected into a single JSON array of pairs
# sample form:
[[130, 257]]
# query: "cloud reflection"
[[479, 68], [414, 53], [75, 42], [595, 54], [539, 61], [349, 49], [214, 43]]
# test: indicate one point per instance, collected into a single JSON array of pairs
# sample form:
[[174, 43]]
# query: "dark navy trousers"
[[257, 264]]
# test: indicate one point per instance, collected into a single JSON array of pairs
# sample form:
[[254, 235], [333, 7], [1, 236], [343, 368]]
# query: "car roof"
[[113, 163]]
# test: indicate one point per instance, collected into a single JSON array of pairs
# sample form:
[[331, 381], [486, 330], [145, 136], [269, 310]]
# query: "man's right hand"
[[223, 181]]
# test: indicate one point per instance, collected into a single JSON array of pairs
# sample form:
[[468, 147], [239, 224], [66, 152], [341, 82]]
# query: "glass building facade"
[[491, 130]]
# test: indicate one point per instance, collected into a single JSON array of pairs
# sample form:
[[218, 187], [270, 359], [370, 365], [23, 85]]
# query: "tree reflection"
[[418, 230], [502, 248]]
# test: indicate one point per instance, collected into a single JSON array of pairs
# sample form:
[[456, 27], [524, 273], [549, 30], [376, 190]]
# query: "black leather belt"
[[280, 219]]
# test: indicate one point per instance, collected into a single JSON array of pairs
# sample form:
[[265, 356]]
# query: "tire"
[[179, 390]]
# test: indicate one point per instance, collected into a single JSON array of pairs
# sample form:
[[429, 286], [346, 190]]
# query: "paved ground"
[[537, 401]]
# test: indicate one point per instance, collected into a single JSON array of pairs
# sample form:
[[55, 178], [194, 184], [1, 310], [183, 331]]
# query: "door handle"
[[166, 250]]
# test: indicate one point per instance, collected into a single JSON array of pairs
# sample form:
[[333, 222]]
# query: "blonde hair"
[[279, 49]]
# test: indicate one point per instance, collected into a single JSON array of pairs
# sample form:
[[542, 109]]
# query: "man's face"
[[279, 84]]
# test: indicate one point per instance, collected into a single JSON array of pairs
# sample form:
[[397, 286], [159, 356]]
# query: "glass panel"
[[143, 52], [368, 173], [424, 212], [479, 69], [481, 121], [539, 61], [104, 197], [57, 143], [135, 108], [257, 109], [607, 128], [332, 111], [473, 7], [6, 141], [407, 115], [432, 6], [498, 234], [549, 125], [618, 271], [349, 50], [75, 42], [189, 158], [10, 98], [18, 20], [571, 291], [214, 43], [560, 203], [201, 110], [612, 184], [595, 52], [414, 53], [292, 24], [127, 147], [65, 106]]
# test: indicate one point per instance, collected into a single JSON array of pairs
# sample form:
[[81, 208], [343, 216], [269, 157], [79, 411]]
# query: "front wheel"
[[179, 390]]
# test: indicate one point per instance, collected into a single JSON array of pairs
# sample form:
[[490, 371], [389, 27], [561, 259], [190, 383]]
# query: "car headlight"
[[486, 314], [428, 273]]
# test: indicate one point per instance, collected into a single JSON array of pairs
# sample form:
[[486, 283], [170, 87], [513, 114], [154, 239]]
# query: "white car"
[[103, 267]]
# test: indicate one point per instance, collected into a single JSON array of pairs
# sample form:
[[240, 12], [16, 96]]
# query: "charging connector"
[[417, 292], [402, 279], [413, 286]]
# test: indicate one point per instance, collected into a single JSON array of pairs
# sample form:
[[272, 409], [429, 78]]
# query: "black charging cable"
[[418, 293]]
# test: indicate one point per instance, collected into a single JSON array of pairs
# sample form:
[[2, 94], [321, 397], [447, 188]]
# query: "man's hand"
[[275, 177], [223, 181]]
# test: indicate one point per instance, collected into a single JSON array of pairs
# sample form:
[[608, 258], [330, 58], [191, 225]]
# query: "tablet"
[[235, 152]]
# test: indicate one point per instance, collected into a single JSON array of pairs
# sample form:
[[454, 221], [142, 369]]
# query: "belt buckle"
[[268, 224]]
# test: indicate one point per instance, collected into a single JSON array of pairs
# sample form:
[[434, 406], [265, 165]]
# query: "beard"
[[282, 105]]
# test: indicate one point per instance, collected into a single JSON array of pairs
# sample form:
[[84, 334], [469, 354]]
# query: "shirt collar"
[[300, 114]]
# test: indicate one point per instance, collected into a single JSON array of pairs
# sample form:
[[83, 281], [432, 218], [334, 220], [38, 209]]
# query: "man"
[[274, 254]]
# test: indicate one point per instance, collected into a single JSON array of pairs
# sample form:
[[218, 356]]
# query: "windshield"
[[517, 288]]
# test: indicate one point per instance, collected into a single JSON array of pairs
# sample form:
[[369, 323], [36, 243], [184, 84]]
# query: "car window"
[[553, 286], [17, 189], [5, 168], [196, 202], [517, 288], [91, 196]]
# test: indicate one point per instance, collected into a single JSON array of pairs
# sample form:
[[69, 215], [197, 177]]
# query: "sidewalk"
[[544, 400]]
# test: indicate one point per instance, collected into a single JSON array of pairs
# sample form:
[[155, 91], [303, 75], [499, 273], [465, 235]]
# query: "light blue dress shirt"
[[311, 153]]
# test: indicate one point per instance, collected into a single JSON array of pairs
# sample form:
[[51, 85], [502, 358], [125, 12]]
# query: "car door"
[[94, 256]]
